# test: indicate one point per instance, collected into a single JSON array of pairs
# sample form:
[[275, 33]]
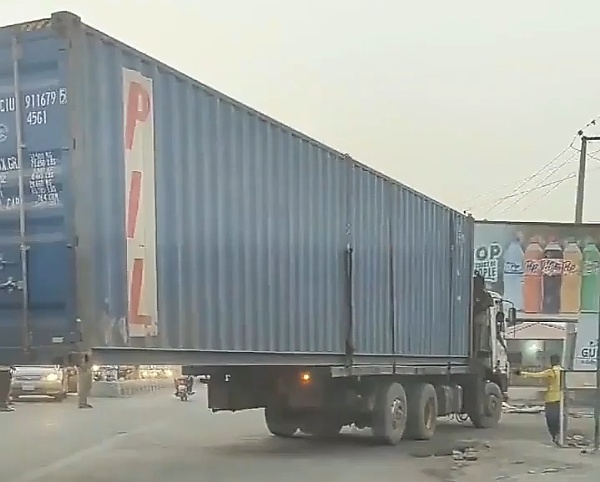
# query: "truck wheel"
[[389, 414], [422, 412], [278, 423], [488, 410]]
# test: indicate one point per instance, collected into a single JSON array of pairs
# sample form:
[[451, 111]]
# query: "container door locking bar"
[[11, 285]]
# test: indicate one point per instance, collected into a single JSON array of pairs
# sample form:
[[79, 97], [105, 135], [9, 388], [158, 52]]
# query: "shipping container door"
[[36, 288]]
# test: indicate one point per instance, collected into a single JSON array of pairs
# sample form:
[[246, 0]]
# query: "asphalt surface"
[[155, 437]]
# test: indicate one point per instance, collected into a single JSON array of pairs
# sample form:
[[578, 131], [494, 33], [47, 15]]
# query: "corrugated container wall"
[[184, 219]]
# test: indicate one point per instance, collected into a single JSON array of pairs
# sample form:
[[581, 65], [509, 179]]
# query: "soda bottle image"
[[513, 274], [552, 277], [590, 279], [532, 277], [570, 292]]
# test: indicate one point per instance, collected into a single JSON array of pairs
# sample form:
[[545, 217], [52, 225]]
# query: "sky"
[[459, 99]]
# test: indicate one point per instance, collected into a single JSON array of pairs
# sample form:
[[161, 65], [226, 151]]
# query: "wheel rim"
[[397, 412], [492, 406], [429, 415]]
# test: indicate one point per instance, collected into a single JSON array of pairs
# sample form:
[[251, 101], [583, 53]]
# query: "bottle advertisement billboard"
[[548, 271]]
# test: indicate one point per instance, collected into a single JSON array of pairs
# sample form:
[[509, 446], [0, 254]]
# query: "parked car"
[[49, 381]]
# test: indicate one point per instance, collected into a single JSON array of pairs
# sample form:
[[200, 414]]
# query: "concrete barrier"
[[128, 388]]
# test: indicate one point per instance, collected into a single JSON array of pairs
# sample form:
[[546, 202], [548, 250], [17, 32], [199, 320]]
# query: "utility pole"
[[581, 181], [569, 349], [581, 176], [571, 329]]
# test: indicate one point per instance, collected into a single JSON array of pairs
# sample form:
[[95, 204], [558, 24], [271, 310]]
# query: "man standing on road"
[[5, 382], [84, 381], [553, 395]]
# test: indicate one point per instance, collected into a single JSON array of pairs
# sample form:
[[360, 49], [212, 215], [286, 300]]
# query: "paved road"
[[153, 438]]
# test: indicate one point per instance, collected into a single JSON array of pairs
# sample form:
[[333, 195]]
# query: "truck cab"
[[491, 315]]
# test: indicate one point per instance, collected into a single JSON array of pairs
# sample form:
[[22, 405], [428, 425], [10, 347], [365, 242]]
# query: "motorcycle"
[[182, 389], [182, 392]]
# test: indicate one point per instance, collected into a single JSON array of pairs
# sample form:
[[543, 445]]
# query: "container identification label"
[[140, 211]]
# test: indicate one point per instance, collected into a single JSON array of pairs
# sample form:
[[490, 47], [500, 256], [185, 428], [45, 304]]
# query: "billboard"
[[586, 345], [549, 271]]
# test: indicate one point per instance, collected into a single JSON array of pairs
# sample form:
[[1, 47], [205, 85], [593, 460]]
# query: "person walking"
[[11, 402], [5, 382], [84, 381], [553, 395]]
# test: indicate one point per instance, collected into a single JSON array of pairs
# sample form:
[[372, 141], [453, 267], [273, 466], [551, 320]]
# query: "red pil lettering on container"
[[135, 294], [133, 208], [138, 109]]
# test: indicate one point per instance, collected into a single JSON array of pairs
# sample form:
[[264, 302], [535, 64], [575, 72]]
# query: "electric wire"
[[550, 190], [537, 173], [538, 188], [555, 185], [534, 175], [542, 181]]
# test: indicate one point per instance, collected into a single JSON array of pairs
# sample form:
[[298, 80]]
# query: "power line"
[[541, 182], [556, 186], [530, 190], [536, 173], [550, 190], [537, 188], [529, 178]]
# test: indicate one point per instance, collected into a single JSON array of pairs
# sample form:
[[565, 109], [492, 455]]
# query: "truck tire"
[[389, 414], [278, 423], [422, 404], [487, 411]]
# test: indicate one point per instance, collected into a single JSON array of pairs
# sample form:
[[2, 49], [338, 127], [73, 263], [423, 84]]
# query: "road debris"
[[526, 409], [580, 414], [577, 440]]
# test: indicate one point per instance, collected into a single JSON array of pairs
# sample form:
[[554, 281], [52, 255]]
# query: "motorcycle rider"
[[187, 381]]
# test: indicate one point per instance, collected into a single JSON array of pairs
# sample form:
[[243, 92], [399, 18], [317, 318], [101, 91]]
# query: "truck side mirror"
[[512, 315]]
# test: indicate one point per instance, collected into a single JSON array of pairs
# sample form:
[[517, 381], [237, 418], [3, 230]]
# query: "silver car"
[[49, 381]]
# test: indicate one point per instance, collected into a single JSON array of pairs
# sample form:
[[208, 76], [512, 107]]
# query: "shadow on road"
[[37, 399], [448, 438]]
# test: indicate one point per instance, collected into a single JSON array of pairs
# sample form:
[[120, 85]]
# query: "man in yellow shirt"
[[553, 395]]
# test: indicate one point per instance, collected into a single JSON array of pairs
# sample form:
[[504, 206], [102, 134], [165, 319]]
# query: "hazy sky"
[[452, 97]]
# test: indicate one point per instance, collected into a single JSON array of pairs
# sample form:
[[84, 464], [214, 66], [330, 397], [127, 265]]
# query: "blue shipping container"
[[145, 209]]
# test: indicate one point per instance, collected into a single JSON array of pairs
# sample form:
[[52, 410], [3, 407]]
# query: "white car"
[[48, 381]]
